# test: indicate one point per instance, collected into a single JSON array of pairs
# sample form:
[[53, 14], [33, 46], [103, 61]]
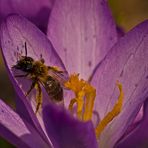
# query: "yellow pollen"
[[80, 102], [75, 84], [84, 97], [89, 104], [112, 114]]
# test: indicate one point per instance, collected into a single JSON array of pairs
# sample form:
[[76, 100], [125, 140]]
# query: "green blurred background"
[[127, 13]]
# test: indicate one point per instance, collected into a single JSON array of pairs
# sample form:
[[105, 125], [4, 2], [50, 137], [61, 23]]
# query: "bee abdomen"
[[54, 89]]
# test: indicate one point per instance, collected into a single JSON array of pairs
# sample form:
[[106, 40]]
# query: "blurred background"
[[127, 13]]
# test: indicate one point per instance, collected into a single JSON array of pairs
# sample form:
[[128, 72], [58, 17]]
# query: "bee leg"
[[55, 69], [38, 97], [19, 76], [32, 86]]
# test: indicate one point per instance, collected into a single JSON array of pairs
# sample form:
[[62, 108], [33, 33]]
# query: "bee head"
[[25, 64]]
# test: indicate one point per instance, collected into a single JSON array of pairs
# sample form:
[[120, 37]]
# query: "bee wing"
[[44, 86], [61, 76]]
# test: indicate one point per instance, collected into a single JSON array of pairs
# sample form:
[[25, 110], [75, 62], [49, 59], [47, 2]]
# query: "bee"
[[51, 78]]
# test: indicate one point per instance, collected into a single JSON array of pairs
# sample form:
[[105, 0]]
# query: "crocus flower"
[[80, 49]]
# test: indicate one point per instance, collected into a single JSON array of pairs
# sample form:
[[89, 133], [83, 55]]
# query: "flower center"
[[84, 99]]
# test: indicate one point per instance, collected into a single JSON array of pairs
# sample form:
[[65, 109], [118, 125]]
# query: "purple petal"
[[139, 137], [135, 123], [120, 32], [127, 63], [15, 31], [139, 116], [16, 131], [66, 132], [82, 32], [36, 11]]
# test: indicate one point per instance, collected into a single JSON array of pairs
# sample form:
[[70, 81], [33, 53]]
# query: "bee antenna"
[[25, 49]]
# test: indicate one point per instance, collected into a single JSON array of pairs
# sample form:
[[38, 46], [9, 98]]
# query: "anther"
[[112, 114], [83, 91]]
